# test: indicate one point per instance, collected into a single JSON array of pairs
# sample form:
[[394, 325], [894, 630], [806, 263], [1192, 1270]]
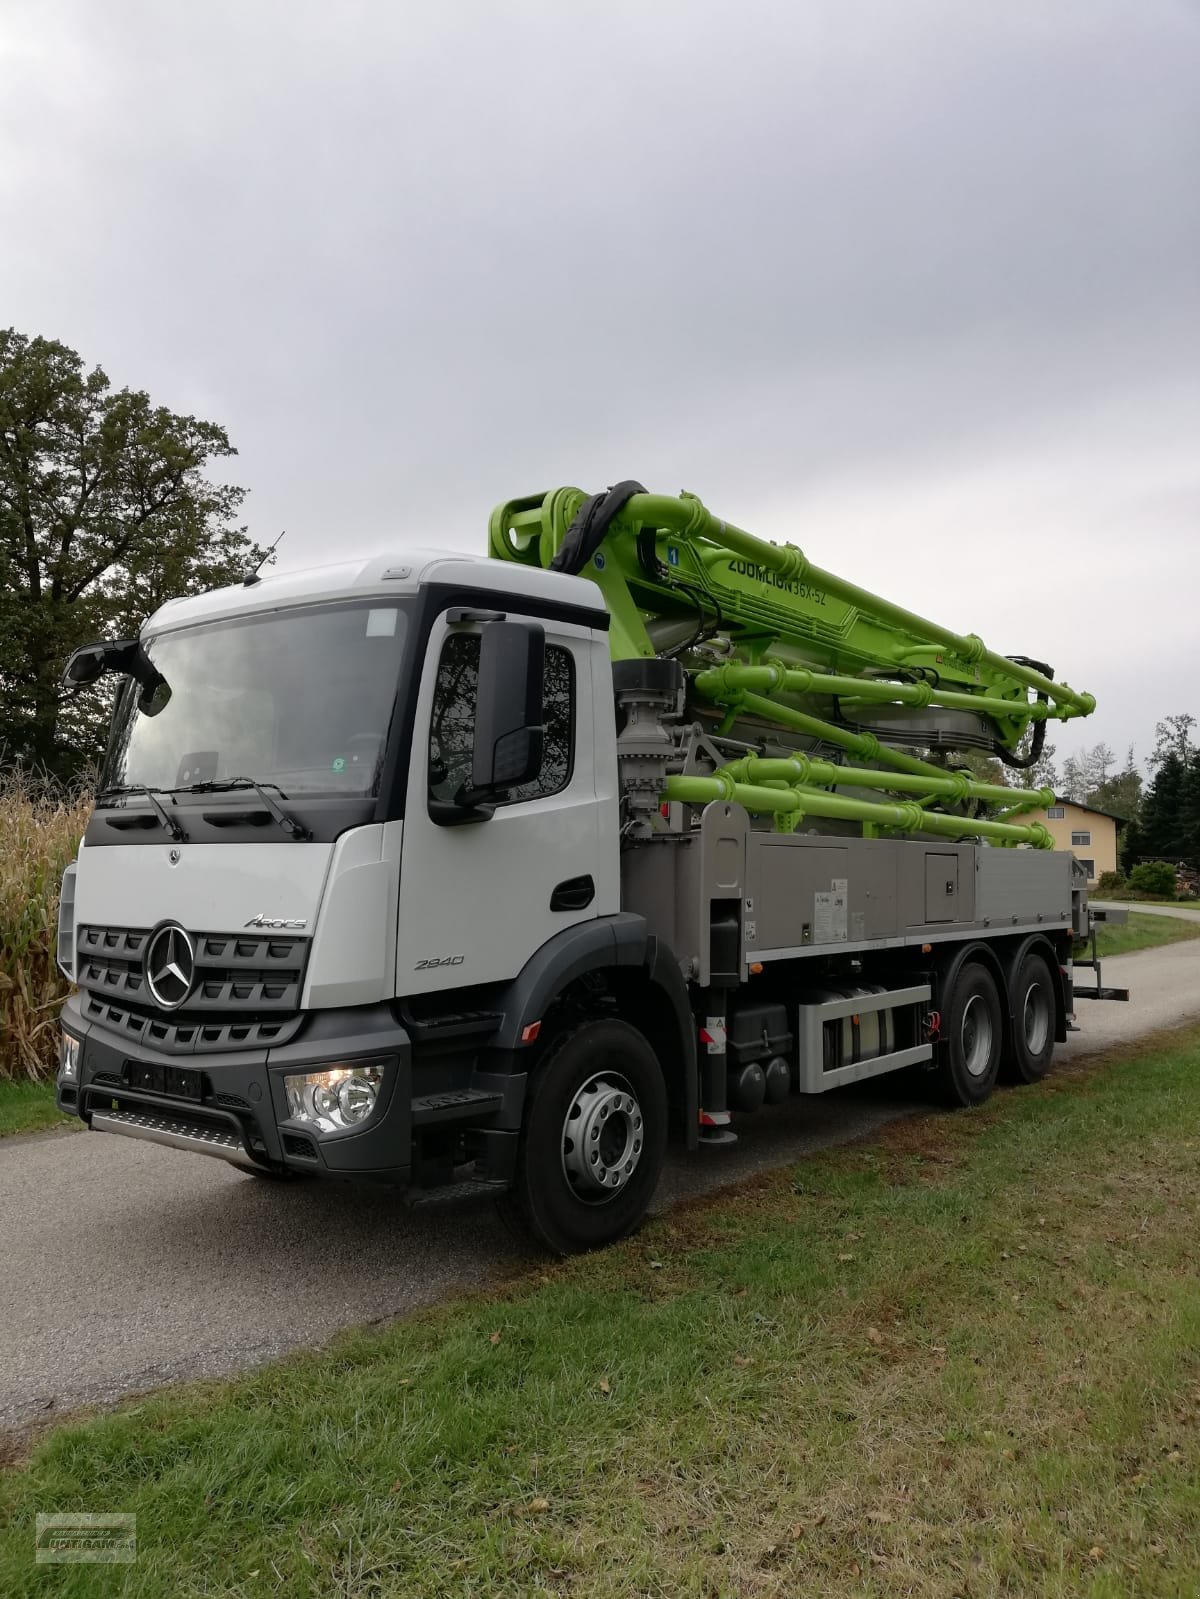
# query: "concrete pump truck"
[[492, 874]]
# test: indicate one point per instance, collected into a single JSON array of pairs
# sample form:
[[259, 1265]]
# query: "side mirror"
[[90, 662], [507, 749], [86, 665]]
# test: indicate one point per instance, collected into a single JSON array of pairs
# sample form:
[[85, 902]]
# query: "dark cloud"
[[916, 285]]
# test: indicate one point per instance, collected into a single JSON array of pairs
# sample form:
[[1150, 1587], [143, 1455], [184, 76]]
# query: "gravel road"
[[124, 1265], [1185, 911]]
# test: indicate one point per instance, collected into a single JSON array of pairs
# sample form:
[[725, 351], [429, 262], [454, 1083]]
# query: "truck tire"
[[1031, 1001], [973, 1033], [593, 1139]]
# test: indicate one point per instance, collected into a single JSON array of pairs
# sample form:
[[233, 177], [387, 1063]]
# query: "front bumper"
[[240, 1111]]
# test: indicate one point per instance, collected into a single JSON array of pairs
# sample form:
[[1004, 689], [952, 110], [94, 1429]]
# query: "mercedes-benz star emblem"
[[170, 966]]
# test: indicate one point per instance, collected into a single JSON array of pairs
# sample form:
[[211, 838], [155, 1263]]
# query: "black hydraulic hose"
[[592, 521], [1022, 763]]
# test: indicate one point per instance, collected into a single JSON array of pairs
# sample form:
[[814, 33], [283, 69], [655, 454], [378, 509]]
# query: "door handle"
[[575, 894]]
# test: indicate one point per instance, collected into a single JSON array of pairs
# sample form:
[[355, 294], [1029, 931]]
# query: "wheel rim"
[[1036, 1012], [977, 1035], [602, 1138]]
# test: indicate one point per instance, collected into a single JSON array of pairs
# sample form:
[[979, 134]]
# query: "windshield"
[[302, 699]]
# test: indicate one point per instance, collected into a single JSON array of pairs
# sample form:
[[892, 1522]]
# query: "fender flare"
[[620, 942], [978, 952]]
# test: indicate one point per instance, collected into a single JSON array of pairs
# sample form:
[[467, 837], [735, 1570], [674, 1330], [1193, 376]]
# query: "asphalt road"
[[124, 1265]]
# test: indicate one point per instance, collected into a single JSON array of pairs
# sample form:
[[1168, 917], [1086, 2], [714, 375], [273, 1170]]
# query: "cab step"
[[460, 1104], [470, 1189], [451, 1024]]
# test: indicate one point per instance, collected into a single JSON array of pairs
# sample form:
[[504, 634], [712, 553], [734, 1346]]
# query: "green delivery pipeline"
[[720, 682], [801, 771], [865, 745], [796, 803]]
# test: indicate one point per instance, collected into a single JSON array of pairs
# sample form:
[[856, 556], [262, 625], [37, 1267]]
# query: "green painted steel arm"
[[765, 633], [794, 804], [667, 557]]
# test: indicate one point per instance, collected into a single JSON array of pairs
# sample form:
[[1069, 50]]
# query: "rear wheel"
[[973, 1034], [1031, 999], [592, 1145]]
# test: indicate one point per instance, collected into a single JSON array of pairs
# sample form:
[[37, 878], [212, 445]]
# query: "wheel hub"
[[602, 1137], [1037, 1018], [976, 1036]]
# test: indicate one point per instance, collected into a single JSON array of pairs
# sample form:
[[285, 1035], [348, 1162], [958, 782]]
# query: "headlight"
[[341, 1097], [356, 1099], [68, 1059]]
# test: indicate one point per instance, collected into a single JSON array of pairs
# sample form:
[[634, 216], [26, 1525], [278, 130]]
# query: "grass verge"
[[26, 1107], [961, 1360], [1143, 932]]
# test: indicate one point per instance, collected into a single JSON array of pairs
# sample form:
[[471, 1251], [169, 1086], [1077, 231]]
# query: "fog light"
[[330, 1100], [68, 1059]]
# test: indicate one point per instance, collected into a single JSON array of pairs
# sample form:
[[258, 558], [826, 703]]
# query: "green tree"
[[1074, 780], [1121, 792], [1173, 735], [1129, 846], [1189, 812], [1098, 764], [982, 767], [105, 512], [1161, 818]]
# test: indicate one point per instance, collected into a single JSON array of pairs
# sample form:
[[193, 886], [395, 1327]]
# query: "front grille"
[[187, 1035], [110, 960], [232, 972], [245, 991]]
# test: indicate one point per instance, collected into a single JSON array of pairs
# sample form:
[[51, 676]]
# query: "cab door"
[[478, 898]]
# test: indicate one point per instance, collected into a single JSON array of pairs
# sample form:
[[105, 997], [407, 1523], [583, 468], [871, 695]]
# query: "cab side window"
[[452, 731]]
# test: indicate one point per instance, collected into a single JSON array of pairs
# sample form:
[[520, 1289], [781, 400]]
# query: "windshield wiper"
[[172, 825], [223, 785]]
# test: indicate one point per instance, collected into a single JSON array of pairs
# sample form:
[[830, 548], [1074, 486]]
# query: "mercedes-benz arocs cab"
[[494, 873]]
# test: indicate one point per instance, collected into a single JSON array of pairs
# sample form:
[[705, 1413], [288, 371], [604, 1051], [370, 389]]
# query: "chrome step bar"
[[222, 1142]]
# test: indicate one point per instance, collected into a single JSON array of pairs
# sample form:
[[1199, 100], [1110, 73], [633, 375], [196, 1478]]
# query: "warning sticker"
[[713, 1035], [829, 917]]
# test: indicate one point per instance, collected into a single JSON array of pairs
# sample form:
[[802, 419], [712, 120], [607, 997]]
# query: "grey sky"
[[913, 283]]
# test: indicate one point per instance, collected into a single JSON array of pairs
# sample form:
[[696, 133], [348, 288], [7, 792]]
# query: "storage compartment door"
[[941, 887]]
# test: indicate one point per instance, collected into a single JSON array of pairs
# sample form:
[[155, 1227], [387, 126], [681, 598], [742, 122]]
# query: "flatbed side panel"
[[810, 894], [1022, 885]]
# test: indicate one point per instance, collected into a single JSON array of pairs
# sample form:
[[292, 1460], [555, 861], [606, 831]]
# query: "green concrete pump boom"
[[765, 635]]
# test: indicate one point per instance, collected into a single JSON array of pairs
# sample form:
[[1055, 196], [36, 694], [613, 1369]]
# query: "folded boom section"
[[802, 696]]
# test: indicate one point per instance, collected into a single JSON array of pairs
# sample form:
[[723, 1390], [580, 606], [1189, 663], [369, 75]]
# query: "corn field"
[[40, 829]]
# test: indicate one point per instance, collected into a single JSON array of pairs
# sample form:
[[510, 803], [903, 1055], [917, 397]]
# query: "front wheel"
[[593, 1140]]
